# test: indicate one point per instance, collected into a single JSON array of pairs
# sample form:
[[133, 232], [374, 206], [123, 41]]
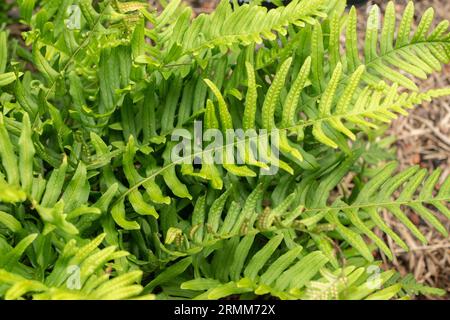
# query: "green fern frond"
[[225, 27], [363, 213], [77, 274], [288, 275], [94, 205], [61, 206]]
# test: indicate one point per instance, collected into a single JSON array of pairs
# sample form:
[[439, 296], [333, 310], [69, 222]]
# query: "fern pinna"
[[93, 206]]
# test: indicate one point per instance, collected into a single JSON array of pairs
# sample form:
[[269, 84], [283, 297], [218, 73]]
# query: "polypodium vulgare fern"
[[74, 276], [90, 189]]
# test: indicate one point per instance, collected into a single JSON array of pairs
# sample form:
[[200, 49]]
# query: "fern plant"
[[93, 205]]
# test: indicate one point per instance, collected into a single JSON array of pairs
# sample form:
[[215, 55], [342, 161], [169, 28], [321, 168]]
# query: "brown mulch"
[[423, 138]]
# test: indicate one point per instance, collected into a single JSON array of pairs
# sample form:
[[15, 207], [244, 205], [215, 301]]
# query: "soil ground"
[[423, 138]]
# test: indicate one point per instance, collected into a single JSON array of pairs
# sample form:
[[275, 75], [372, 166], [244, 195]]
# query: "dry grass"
[[423, 138]]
